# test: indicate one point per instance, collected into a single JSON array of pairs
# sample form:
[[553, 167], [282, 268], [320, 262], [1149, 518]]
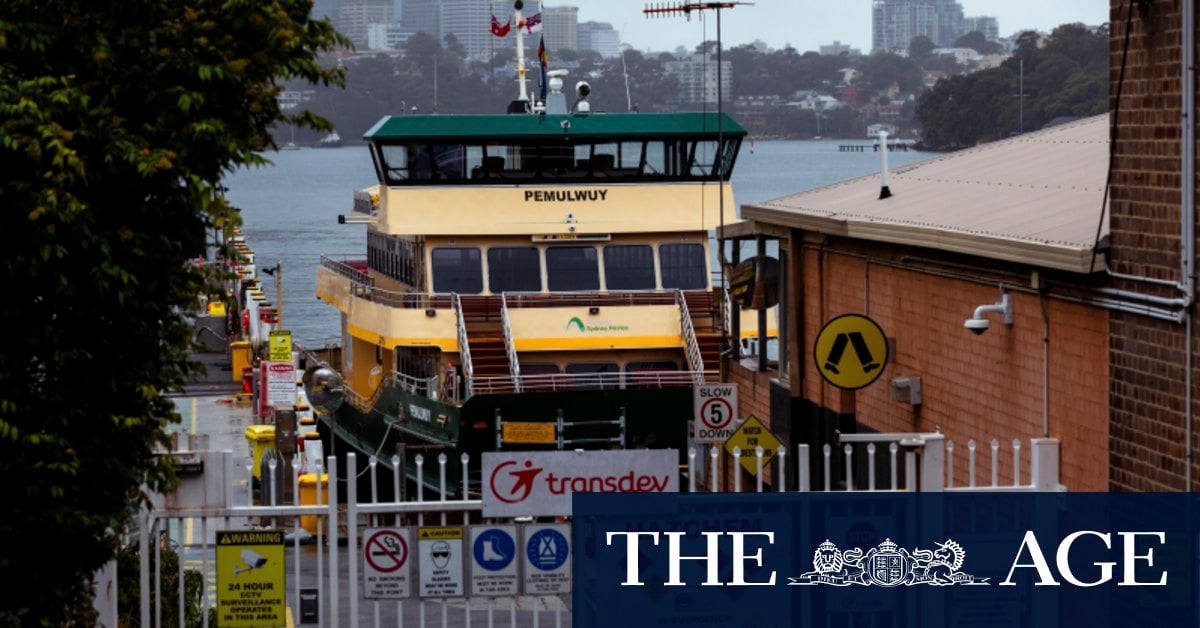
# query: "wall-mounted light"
[[593, 310], [430, 312]]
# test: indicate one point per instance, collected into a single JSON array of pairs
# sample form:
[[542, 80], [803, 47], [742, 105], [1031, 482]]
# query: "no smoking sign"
[[716, 413], [386, 568]]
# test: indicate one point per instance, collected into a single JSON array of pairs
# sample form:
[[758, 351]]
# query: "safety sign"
[[280, 346], [441, 561], [547, 559], [386, 567], [749, 437], [716, 412], [851, 351], [250, 585], [494, 560]]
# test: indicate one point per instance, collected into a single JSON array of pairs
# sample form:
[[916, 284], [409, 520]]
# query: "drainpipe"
[[1187, 209]]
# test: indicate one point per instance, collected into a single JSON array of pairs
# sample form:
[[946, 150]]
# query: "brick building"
[[1015, 218], [1152, 250]]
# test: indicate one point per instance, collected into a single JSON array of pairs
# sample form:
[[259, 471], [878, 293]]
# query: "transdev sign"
[[532, 484]]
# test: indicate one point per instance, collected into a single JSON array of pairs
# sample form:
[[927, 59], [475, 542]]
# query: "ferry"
[[533, 280]]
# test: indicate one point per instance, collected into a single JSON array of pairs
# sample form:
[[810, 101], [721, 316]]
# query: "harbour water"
[[290, 208]]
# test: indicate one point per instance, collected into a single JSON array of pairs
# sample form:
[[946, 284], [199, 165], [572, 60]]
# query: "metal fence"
[[906, 462]]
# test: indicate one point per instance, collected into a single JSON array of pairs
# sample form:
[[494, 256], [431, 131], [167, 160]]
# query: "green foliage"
[[128, 588], [117, 121], [882, 71], [920, 48], [1067, 76], [976, 41]]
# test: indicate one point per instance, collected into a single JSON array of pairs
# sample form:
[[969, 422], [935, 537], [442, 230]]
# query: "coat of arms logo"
[[888, 565]]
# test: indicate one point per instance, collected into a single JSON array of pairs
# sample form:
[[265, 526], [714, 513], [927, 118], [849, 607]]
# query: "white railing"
[[925, 462], [345, 268], [464, 348], [586, 381], [695, 358], [510, 348]]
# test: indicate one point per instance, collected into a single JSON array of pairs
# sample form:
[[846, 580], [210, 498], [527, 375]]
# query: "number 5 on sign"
[[716, 413]]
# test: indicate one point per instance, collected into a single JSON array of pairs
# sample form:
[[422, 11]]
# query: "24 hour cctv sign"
[[531, 484]]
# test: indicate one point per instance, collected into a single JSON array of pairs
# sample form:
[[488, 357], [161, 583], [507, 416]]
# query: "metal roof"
[[1034, 199], [591, 126]]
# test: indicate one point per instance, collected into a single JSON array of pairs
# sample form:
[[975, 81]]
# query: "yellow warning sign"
[[281, 346], [439, 533], [750, 436], [250, 585], [851, 351], [528, 433]]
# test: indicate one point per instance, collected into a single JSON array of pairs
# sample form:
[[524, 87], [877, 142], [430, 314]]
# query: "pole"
[[1022, 97], [520, 19], [279, 294]]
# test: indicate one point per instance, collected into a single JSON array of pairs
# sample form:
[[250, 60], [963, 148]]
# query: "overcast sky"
[[806, 24]]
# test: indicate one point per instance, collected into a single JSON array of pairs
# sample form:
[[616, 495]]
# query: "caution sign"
[[851, 351], [750, 436], [547, 559], [386, 567], [716, 413], [441, 562], [280, 344], [250, 586], [528, 433]]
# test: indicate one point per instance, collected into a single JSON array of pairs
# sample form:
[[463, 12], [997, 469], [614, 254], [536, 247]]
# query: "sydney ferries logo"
[[888, 565], [603, 326]]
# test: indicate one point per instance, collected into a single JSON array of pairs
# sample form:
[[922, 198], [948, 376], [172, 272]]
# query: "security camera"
[[582, 89], [252, 559], [565, 124], [977, 325]]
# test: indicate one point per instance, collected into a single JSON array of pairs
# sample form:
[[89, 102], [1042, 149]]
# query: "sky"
[[807, 24]]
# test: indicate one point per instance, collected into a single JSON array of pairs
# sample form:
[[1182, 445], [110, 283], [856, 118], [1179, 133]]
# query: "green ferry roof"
[[592, 126]]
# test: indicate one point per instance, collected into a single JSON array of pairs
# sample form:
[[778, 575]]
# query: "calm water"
[[290, 209]]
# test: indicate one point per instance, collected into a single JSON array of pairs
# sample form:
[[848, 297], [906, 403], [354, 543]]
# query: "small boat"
[[332, 140]]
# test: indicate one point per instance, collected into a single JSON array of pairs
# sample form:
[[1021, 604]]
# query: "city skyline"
[[785, 22]]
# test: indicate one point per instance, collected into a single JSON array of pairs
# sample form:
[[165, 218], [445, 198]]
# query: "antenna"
[[685, 8], [625, 71]]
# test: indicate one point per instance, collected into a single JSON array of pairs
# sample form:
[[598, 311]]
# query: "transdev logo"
[[513, 486], [603, 326]]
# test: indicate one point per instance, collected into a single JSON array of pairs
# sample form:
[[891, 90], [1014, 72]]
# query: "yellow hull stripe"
[[601, 342]]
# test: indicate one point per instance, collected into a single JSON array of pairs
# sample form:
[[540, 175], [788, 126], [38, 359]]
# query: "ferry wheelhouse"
[[533, 269]]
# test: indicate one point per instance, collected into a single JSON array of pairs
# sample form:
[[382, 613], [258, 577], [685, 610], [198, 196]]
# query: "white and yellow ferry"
[[545, 267]]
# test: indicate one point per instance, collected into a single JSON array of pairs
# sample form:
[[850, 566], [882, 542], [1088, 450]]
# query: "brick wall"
[[975, 387], [1147, 356]]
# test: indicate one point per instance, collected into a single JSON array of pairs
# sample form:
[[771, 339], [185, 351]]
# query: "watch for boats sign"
[[531, 484]]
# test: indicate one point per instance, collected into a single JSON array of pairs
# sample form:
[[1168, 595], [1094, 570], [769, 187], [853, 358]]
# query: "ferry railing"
[[510, 348], [695, 358], [464, 347], [561, 382], [588, 299], [351, 268]]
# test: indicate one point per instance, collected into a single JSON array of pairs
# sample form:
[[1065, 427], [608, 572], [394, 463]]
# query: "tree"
[[880, 71], [920, 48], [119, 121], [976, 41]]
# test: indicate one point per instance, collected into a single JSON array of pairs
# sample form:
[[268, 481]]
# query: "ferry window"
[[595, 375], [683, 267], [572, 269], [515, 269], [450, 160], [457, 270], [540, 368], [703, 155], [629, 267]]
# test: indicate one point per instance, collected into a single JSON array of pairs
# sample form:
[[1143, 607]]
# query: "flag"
[[545, 61], [501, 30], [533, 23]]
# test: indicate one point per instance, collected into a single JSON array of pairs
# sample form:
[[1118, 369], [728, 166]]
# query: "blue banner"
[[885, 559]]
